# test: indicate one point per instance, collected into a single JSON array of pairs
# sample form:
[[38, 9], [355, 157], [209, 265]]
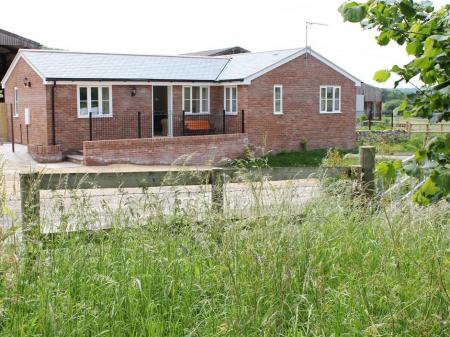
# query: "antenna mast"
[[309, 24]]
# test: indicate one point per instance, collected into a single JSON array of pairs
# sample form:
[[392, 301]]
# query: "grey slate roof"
[[90, 66], [68, 65], [72, 66]]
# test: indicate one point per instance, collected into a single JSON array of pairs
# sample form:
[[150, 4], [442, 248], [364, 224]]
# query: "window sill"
[[195, 113], [95, 116], [278, 113], [16, 116], [329, 112], [234, 113]]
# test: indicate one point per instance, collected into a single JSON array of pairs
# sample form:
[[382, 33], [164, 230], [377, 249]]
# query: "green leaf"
[[353, 11], [407, 8], [440, 38], [382, 75], [383, 39], [425, 193], [413, 48], [387, 170]]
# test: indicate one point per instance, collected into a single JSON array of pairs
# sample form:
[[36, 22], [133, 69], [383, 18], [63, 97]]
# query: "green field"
[[337, 267]]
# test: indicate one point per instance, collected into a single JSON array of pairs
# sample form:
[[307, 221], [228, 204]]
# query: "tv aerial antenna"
[[308, 24]]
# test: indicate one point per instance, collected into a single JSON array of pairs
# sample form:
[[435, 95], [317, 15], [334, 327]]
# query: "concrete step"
[[75, 158]]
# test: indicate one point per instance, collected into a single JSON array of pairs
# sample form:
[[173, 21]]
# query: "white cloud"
[[177, 26]]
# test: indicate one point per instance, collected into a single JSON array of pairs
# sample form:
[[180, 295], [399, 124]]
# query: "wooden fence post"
[[30, 203], [367, 162], [217, 196]]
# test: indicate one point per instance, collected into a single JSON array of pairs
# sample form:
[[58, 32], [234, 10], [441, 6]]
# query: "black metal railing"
[[139, 125], [213, 123]]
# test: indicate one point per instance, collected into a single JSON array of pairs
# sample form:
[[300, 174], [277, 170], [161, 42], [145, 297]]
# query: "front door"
[[162, 111]]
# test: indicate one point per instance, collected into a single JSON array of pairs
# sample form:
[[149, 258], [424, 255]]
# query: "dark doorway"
[[160, 111]]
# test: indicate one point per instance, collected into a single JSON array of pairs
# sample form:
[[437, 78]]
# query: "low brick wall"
[[391, 136], [46, 153], [189, 150]]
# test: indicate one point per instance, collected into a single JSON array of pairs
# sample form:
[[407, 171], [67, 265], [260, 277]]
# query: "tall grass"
[[336, 267]]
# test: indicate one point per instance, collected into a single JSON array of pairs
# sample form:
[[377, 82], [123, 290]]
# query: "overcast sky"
[[179, 26]]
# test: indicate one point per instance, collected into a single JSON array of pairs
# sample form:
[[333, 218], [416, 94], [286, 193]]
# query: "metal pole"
[[183, 123], [223, 121], [90, 126], [21, 136], [243, 121], [12, 127], [139, 125], [370, 120], [28, 139]]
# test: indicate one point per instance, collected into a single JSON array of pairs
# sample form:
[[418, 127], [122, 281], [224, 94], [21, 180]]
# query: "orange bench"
[[199, 125]]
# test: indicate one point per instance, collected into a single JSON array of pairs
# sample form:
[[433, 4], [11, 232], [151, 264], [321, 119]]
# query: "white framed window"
[[230, 100], [330, 99], [278, 99], [94, 99], [16, 102], [196, 99]]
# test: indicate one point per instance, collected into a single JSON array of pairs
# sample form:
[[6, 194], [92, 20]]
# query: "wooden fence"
[[426, 128], [32, 183]]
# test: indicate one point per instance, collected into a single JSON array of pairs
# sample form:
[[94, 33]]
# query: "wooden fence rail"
[[32, 183]]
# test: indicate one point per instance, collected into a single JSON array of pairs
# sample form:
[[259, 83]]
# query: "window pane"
[[205, 93], [234, 92], [187, 105], [94, 94], [277, 106], [227, 105], [187, 93], [234, 105], [83, 94], [336, 105], [336, 92], [94, 107], [83, 108], [105, 94], [322, 105], [322, 93], [227, 93], [105, 107], [195, 106], [195, 92], [277, 93], [204, 105], [329, 92], [329, 105]]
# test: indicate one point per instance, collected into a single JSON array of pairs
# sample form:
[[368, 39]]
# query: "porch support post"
[[242, 121]]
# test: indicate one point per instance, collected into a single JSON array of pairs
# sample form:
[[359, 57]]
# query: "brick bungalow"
[[147, 109]]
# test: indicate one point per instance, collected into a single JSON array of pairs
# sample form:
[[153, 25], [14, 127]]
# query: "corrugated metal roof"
[[69, 65], [221, 51], [11, 39]]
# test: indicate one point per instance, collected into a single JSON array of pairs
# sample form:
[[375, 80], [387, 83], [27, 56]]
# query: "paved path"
[[98, 208]]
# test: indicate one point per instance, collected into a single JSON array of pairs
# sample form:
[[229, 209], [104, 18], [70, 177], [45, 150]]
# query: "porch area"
[[139, 125]]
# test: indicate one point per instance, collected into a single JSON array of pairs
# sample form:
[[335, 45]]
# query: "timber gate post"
[[217, 195], [367, 162]]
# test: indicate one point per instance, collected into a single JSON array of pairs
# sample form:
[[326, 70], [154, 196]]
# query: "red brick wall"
[[192, 150], [71, 131], [33, 98], [301, 117]]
